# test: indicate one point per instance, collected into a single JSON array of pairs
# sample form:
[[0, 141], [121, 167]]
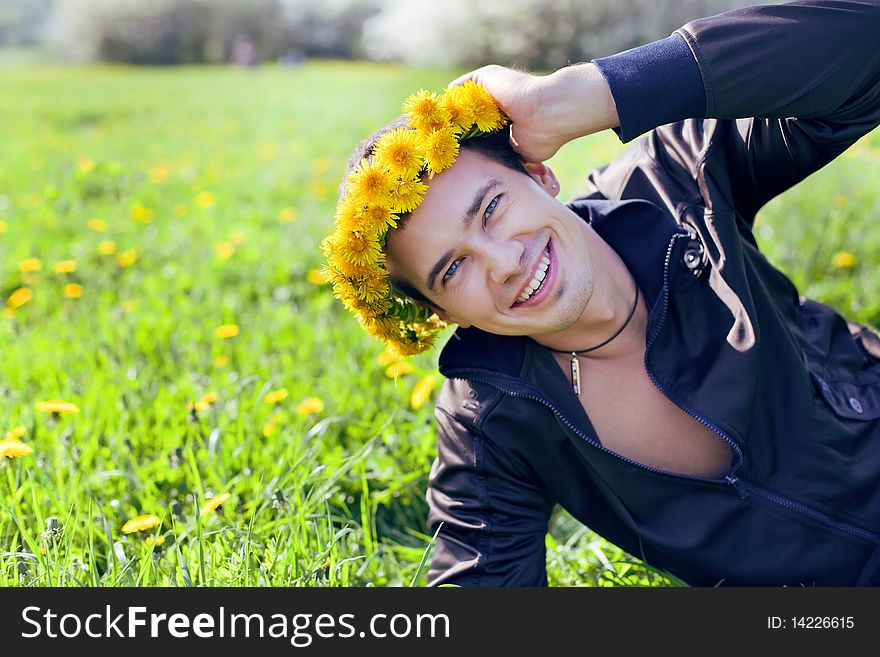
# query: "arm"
[[809, 70], [494, 520]]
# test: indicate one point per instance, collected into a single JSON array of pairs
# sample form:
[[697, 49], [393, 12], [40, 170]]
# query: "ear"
[[544, 176]]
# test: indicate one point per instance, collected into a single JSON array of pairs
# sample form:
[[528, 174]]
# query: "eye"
[[451, 271], [491, 207]]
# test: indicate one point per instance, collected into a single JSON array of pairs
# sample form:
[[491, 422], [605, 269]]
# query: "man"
[[632, 356]]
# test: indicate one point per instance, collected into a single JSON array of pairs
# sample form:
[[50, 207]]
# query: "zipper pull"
[[733, 480]]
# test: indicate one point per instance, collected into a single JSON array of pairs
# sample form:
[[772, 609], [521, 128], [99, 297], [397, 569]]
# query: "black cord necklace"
[[575, 367]]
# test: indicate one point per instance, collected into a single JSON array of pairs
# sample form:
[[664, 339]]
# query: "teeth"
[[535, 283]]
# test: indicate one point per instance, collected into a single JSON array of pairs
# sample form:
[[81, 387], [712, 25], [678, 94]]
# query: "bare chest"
[[633, 418]]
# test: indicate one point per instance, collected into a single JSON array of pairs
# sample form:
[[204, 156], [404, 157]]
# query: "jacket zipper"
[[743, 487]]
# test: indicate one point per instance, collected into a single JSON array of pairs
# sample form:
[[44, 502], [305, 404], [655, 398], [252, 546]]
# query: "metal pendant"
[[575, 374]]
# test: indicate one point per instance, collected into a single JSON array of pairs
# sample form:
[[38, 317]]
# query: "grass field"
[[159, 234]]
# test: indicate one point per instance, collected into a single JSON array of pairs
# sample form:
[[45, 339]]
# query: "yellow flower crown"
[[386, 185]]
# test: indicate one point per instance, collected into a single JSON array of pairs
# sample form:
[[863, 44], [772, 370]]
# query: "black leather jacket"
[[787, 382]]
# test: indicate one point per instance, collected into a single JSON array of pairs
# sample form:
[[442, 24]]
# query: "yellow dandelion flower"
[[358, 247], [224, 250], [841, 260], [461, 114], [58, 406], [407, 195], [181, 210], [160, 540], [236, 237], [97, 225], [377, 219], [12, 449], [85, 164], [399, 150], [158, 173], [205, 200], [142, 214], [213, 503], [371, 183], [72, 290], [287, 215], [269, 428], [19, 297], [276, 396], [310, 405], [106, 247], [422, 391], [425, 112], [64, 266], [316, 277], [371, 286], [399, 368], [141, 523], [3, 226], [209, 398], [387, 357], [221, 362], [16, 433], [30, 264], [226, 331], [128, 257], [487, 116], [441, 149]]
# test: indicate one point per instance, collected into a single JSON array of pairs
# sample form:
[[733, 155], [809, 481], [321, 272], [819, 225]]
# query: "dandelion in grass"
[[13, 449], [19, 297], [3, 226], [57, 407], [142, 214], [224, 250], [316, 277], [421, 392], [388, 356], [97, 225], [399, 368], [270, 427], [127, 258], [214, 503], [205, 402], [141, 523], [15, 433], [843, 260], [106, 247], [226, 331], [30, 265], [276, 396], [64, 267], [220, 362], [85, 164], [310, 405], [287, 215], [205, 200], [159, 541], [72, 290]]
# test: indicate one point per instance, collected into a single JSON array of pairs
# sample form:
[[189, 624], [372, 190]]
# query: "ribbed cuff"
[[654, 84]]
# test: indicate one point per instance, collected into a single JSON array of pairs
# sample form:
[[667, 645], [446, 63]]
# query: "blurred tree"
[[22, 21]]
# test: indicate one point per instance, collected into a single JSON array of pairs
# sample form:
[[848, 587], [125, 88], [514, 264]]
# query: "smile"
[[536, 285]]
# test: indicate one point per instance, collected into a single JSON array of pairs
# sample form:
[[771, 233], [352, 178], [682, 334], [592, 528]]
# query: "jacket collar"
[[638, 230]]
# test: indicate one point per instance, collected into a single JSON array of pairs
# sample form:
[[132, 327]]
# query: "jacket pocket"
[[854, 395]]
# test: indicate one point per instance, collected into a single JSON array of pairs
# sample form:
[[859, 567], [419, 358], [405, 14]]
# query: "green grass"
[[327, 498]]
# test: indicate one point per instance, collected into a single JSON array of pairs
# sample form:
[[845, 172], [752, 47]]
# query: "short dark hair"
[[493, 146]]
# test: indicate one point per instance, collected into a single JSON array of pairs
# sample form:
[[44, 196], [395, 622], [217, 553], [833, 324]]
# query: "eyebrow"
[[467, 221]]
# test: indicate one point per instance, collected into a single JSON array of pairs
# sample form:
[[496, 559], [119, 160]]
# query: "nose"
[[504, 260]]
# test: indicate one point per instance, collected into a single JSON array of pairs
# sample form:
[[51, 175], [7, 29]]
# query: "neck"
[[607, 310]]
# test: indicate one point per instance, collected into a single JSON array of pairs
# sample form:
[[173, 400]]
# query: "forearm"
[[804, 59]]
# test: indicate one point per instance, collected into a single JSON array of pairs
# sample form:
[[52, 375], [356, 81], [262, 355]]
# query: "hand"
[[548, 111]]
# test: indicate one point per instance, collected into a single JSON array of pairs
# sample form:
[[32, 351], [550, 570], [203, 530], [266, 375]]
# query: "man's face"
[[485, 236]]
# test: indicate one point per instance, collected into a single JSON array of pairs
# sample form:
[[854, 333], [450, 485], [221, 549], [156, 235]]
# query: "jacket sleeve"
[[791, 86], [493, 521]]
